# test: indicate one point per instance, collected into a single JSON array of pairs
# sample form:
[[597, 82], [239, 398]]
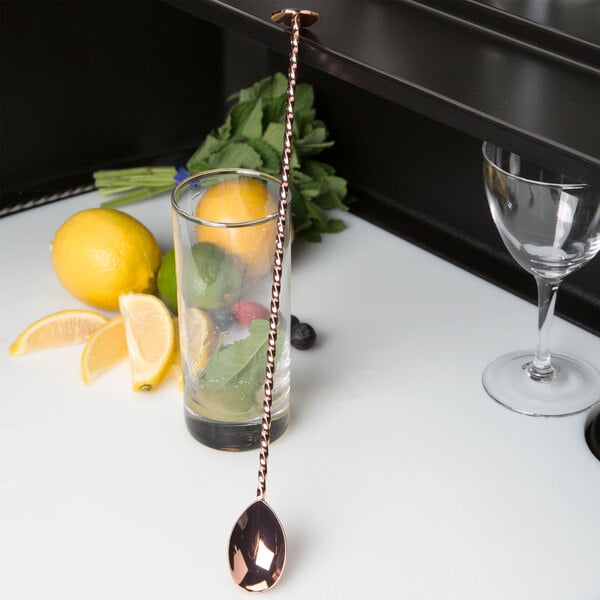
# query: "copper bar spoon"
[[257, 546]]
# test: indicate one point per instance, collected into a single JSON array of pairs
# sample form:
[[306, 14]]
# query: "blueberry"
[[295, 321], [303, 336], [223, 318]]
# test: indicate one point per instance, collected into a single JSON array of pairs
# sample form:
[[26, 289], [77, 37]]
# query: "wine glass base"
[[575, 388]]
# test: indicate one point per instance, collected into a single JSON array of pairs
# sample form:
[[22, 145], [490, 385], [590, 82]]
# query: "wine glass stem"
[[541, 369]]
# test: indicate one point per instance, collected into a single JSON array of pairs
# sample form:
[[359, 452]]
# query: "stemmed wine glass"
[[550, 224]]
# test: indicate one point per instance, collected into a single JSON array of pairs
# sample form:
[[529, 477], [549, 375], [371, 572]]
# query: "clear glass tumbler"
[[224, 224]]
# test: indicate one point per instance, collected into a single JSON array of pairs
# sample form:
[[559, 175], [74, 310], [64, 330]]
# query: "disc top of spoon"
[[285, 16], [257, 548]]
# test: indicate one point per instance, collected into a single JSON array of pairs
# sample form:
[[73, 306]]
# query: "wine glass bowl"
[[550, 224]]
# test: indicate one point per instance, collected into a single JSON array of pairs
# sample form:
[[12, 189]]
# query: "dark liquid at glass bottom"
[[233, 436]]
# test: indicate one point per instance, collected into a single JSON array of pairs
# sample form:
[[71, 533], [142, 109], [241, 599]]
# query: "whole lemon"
[[237, 201], [100, 253]]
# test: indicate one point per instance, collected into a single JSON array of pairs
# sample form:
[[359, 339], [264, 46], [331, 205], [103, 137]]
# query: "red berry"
[[246, 311]]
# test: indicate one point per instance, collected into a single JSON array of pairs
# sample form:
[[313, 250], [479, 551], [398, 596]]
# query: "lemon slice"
[[176, 371], [103, 349], [199, 337], [150, 339], [57, 329]]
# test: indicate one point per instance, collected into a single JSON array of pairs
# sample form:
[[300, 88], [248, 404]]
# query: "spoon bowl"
[[257, 548]]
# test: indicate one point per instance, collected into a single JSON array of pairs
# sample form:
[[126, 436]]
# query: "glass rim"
[[224, 171], [572, 185]]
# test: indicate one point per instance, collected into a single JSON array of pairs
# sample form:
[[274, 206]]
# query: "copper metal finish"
[[257, 549], [286, 17], [278, 258]]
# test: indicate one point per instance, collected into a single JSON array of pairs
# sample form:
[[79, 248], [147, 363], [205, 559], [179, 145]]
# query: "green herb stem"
[[136, 195], [111, 191], [170, 171], [147, 181]]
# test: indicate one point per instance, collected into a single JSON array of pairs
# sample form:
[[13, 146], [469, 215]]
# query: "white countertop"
[[398, 476]]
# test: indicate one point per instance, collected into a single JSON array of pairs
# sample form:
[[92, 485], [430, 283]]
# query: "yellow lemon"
[[103, 349], [100, 253], [199, 338], [176, 370], [58, 329], [237, 201], [150, 337]]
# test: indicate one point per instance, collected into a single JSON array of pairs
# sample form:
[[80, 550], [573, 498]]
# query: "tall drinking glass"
[[550, 224], [225, 226]]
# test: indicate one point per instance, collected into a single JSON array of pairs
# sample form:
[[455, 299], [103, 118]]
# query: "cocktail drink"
[[224, 224]]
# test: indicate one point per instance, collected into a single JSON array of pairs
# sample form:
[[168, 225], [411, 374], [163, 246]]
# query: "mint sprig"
[[236, 371], [252, 137]]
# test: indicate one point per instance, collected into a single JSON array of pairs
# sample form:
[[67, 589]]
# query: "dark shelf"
[[474, 68]]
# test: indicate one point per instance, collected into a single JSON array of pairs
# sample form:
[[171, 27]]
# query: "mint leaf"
[[236, 371], [273, 135], [199, 159], [274, 110], [269, 87], [236, 154], [316, 169], [335, 226], [310, 189], [299, 177], [332, 191], [313, 142], [224, 132], [246, 119], [299, 216], [311, 235], [270, 158], [197, 166], [316, 214], [305, 98]]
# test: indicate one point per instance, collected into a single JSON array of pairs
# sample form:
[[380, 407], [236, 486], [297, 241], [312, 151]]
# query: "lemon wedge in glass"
[[202, 343], [176, 370]]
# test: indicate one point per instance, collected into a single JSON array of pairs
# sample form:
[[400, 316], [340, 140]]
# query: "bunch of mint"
[[252, 137]]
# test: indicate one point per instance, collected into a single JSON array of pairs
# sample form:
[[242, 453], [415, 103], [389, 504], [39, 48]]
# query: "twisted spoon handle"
[[293, 18]]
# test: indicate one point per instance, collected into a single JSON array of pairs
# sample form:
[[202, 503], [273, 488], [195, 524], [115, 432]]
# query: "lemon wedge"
[[150, 337], [57, 329], [103, 349], [199, 338], [176, 370]]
